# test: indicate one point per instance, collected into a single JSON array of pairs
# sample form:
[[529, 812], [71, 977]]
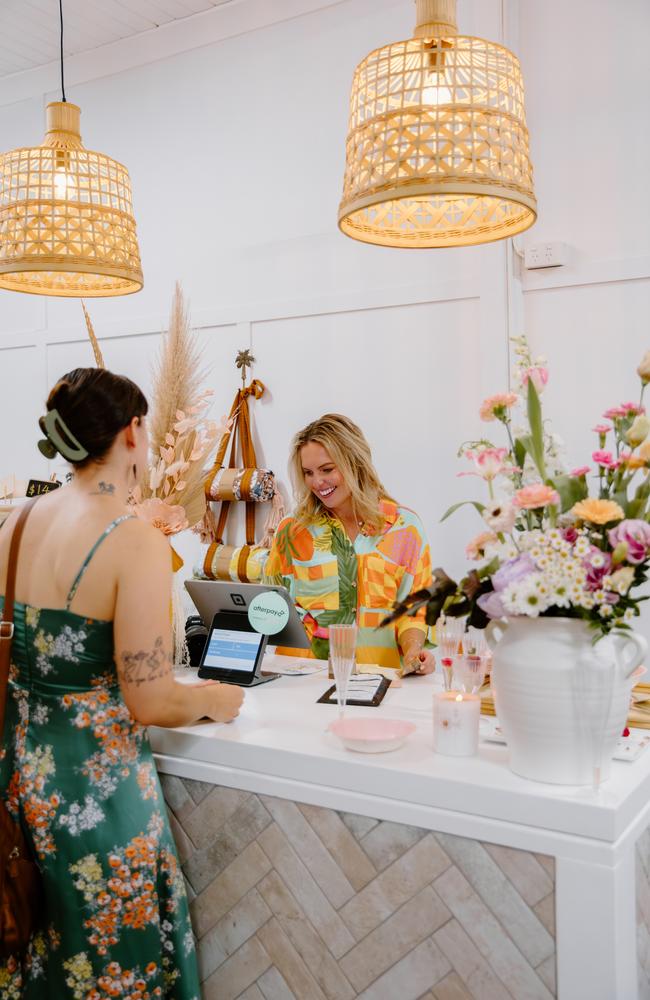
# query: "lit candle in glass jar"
[[455, 723]]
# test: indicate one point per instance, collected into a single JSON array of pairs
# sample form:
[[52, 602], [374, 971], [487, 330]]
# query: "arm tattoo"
[[146, 665], [103, 489]]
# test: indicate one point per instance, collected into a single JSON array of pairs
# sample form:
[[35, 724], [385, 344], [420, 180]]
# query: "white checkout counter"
[[279, 746]]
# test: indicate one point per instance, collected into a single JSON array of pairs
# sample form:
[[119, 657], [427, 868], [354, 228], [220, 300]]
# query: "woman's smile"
[[323, 477]]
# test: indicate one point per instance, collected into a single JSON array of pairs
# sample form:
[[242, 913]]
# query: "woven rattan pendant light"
[[66, 218], [437, 146]]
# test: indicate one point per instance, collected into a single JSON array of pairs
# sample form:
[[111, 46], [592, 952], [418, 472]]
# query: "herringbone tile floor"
[[295, 901]]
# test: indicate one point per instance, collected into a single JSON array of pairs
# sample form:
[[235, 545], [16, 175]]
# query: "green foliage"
[[520, 452], [571, 490], [534, 442], [456, 506]]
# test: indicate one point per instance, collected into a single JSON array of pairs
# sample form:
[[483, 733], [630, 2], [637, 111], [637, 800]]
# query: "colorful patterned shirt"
[[333, 580]]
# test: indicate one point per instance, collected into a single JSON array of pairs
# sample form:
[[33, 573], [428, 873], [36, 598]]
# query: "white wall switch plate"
[[545, 255]]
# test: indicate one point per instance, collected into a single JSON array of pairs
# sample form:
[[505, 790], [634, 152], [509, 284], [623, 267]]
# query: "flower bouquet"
[[559, 566], [554, 542]]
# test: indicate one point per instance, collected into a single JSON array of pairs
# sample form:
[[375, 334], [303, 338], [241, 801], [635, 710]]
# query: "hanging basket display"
[[231, 483]]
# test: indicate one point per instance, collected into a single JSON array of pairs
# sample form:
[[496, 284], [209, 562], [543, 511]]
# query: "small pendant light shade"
[[437, 146], [66, 218]]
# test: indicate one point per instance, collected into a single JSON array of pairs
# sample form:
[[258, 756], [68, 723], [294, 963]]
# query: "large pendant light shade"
[[437, 146], [66, 218]]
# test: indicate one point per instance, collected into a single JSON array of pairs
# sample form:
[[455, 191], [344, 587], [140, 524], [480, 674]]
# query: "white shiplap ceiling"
[[29, 29]]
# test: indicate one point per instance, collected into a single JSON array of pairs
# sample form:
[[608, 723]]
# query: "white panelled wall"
[[232, 124]]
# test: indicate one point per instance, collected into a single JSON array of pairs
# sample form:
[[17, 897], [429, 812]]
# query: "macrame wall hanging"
[[238, 482]]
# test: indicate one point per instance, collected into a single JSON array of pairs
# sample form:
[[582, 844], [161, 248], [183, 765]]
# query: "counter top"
[[280, 745]]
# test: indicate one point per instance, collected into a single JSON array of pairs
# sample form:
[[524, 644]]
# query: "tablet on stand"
[[234, 652]]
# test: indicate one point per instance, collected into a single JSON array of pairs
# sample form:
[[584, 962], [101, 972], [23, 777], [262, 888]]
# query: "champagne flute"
[[472, 665], [449, 634], [343, 642]]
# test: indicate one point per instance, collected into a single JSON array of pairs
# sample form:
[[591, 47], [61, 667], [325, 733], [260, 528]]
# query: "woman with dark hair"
[[350, 551], [91, 667]]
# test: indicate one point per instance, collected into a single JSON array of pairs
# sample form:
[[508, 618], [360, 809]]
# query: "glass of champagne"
[[449, 635], [343, 643], [472, 665]]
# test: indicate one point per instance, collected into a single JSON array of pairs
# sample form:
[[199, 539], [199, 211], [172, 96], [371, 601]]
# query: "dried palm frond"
[[99, 358]]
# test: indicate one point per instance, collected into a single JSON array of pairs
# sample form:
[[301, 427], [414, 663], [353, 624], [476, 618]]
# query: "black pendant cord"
[[62, 81]]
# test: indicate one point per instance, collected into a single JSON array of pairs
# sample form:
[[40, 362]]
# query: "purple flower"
[[492, 605], [510, 572], [513, 570], [636, 535]]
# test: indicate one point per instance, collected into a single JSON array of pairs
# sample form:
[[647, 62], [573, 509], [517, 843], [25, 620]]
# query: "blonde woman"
[[350, 551]]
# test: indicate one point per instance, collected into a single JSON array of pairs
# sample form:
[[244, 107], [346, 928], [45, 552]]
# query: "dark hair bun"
[[96, 405]]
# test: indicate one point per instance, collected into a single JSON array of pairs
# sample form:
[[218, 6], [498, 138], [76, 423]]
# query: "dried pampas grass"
[[181, 436], [177, 373]]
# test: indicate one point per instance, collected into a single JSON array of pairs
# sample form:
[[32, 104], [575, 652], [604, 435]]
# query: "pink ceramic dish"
[[372, 735]]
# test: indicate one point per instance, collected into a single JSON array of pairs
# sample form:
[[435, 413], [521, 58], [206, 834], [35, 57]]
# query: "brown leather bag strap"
[[241, 564], [224, 510], [223, 445], [241, 426], [207, 562], [249, 461], [7, 623]]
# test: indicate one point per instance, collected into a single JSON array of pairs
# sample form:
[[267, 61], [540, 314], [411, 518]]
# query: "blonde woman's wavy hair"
[[350, 453]]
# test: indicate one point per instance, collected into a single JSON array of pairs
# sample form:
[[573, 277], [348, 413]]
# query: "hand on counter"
[[419, 661], [222, 701]]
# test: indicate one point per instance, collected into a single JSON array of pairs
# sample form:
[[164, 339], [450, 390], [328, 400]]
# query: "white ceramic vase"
[[562, 701]]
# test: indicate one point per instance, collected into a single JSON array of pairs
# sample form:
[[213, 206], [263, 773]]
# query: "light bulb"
[[435, 94], [60, 184]]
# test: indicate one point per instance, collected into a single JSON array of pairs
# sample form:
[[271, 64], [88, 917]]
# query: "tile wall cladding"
[[296, 902]]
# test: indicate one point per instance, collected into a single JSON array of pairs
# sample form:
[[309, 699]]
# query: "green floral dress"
[[78, 770]]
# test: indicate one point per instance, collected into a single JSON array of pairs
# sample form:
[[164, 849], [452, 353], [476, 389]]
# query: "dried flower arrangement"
[[171, 495]]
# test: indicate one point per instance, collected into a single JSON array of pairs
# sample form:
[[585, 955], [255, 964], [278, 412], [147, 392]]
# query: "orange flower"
[[168, 518], [597, 511], [496, 407], [535, 496], [476, 548]]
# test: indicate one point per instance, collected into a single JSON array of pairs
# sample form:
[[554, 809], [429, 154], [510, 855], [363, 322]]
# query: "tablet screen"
[[227, 649]]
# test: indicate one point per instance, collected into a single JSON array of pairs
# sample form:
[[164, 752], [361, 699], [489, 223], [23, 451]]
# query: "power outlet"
[[545, 255]]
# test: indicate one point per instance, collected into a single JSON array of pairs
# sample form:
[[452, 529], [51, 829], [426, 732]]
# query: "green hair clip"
[[58, 437]]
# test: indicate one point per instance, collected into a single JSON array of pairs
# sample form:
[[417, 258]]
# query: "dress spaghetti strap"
[[77, 580]]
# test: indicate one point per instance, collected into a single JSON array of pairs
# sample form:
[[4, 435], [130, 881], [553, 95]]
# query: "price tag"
[[37, 487]]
